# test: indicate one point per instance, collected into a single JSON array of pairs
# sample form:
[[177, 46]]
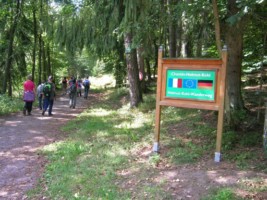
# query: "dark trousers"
[[28, 106], [48, 103], [86, 90]]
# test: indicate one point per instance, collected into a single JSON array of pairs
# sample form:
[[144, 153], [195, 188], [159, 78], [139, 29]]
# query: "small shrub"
[[251, 139], [184, 152], [148, 104], [118, 93], [238, 116], [154, 159], [9, 105], [229, 140]]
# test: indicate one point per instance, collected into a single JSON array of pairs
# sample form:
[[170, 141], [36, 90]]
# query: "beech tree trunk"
[[11, 36], [234, 40], [132, 70]]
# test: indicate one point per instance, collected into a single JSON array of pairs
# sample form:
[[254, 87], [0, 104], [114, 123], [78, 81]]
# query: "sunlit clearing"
[[125, 109], [115, 151], [100, 112], [138, 121], [101, 133], [85, 114], [103, 81], [52, 147]]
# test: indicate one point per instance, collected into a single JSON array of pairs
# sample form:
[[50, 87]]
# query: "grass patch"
[[222, 194], [187, 137], [101, 143], [184, 152], [148, 104]]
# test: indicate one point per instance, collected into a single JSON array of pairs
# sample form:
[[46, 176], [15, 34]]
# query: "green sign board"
[[191, 84]]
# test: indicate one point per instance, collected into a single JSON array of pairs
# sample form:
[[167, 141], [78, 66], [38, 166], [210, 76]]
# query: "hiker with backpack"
[[86, 85], [28, 95], [72, 92], [49, 92]]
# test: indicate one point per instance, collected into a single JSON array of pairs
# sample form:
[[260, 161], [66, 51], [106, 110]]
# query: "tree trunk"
[[234, 41], [217, 26], [40, 69], [49, 65], [155, 59], [179, 37], [11, 36], [148, 71], [120, 72], [141, 64], [132, 69], [189, 46], [45, 68], [34, 46], [199, 47], [172, 29]]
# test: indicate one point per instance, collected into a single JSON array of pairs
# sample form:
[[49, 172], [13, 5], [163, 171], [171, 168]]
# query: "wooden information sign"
[[191, 83]]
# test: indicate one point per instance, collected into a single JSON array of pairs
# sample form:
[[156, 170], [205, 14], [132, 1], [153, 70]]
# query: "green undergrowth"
[[9, 105], [107, 152]]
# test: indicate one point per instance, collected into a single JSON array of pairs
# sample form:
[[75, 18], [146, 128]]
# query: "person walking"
[[64, 83], [72, 93], [86, 85], [79, 88], [49, 91], [28, 95], [40, 95]]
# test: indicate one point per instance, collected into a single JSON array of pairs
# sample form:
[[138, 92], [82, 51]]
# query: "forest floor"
[[21, 137]]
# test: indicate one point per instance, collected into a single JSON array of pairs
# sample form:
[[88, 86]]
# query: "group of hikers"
[[46, 93]]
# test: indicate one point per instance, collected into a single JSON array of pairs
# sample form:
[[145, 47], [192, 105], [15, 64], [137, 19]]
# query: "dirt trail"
[[20, 139]]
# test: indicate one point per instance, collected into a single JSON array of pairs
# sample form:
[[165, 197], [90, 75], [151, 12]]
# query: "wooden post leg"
[[157, 129], [217, 157], [221, 108]]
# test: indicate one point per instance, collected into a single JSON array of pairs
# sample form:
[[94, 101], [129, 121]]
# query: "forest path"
[[20, 139]]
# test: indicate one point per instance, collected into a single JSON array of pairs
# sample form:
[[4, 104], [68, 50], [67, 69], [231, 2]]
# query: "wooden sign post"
[[191, 83]]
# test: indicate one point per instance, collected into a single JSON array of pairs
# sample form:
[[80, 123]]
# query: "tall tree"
[[173, 24], [217, 26], [35, 36], [238, 17], [11, 36], [132, 69]]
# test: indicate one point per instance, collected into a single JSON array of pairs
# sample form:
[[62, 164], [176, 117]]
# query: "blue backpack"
[[86, 83]]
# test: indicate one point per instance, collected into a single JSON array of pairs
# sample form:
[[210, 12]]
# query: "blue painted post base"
[[156, 147], [217, 157]]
